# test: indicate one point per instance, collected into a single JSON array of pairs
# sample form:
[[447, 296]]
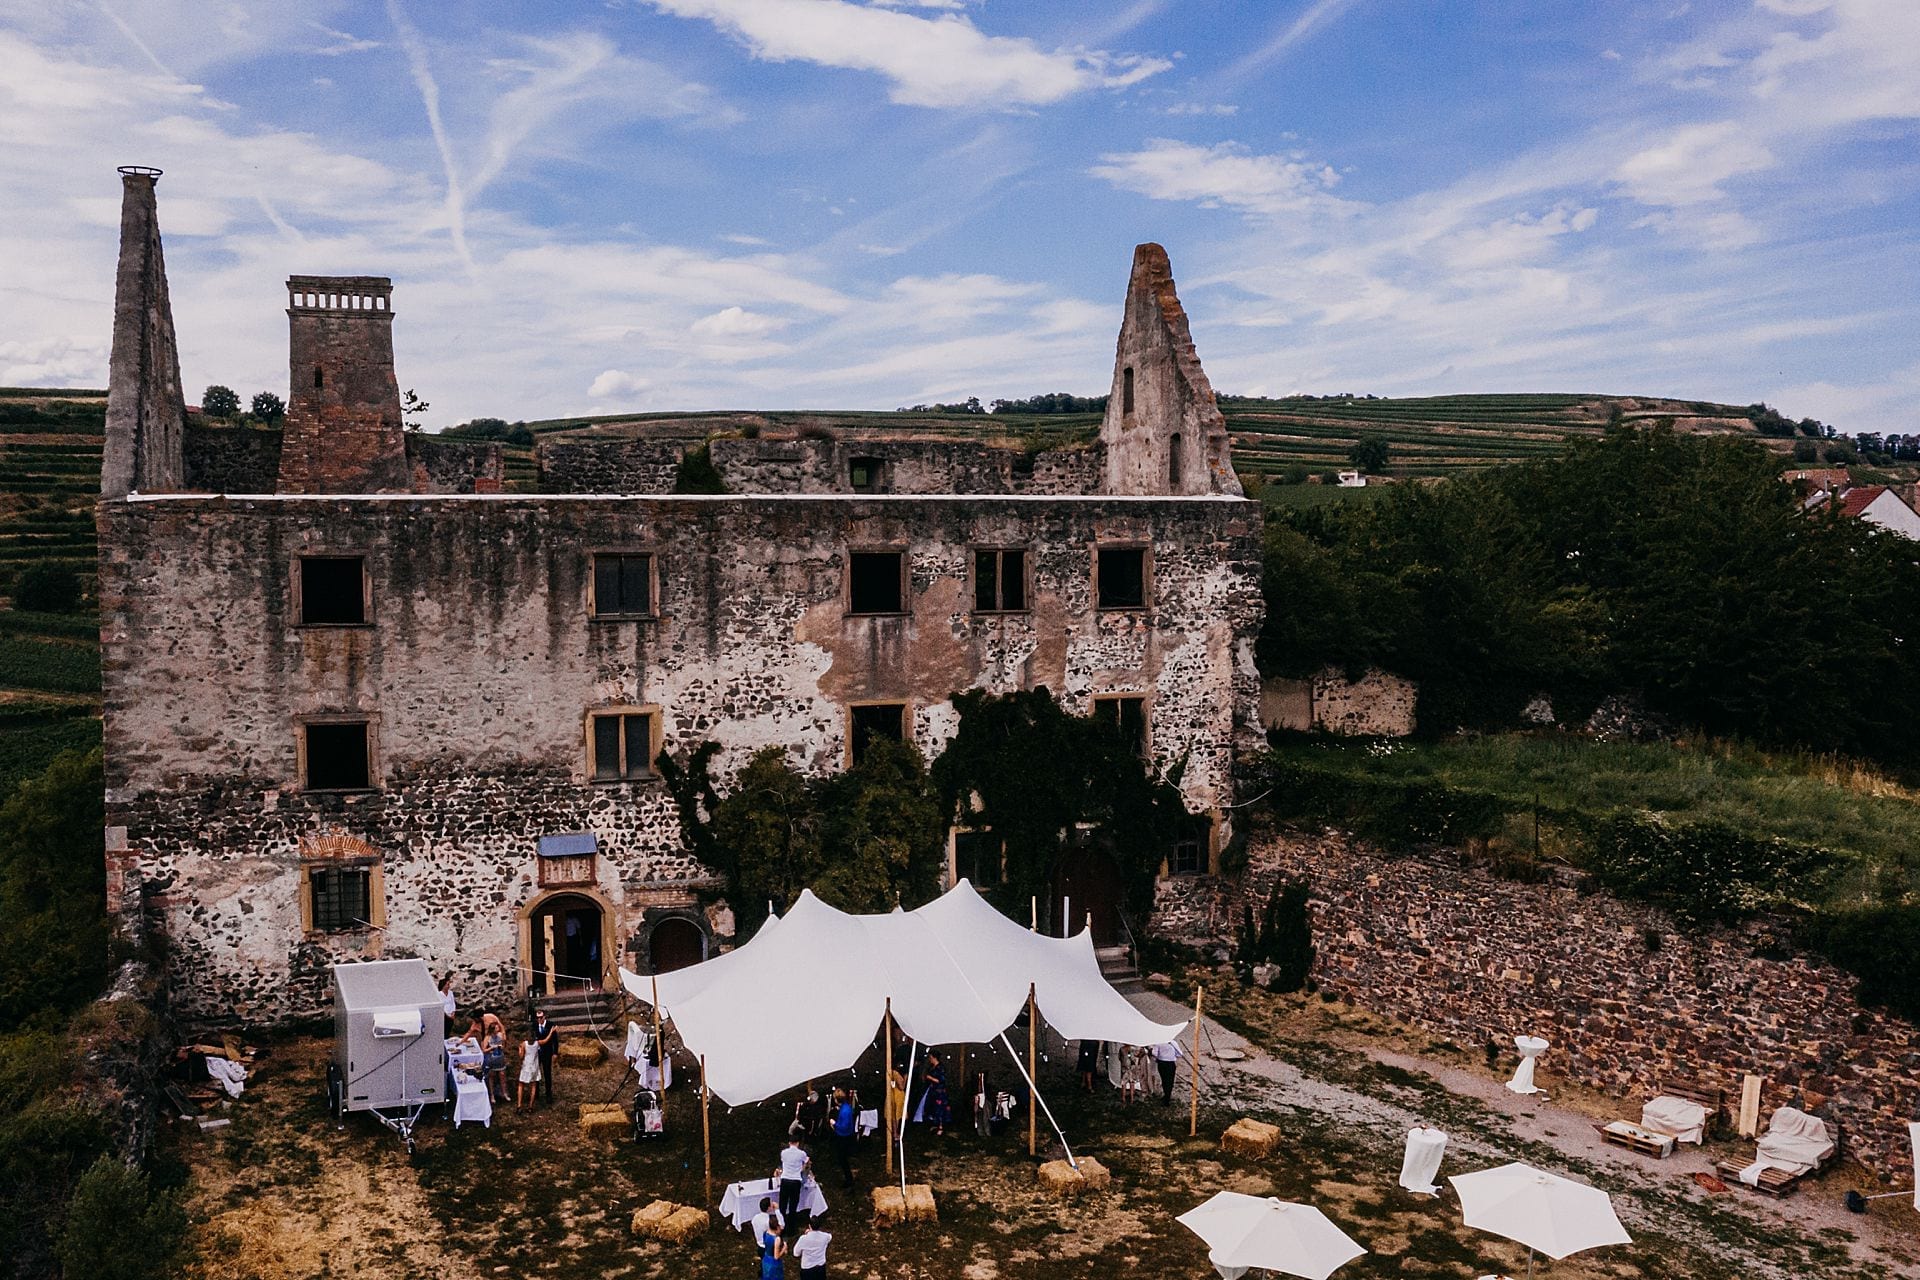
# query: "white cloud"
[[1688, 166], [1200, 109], [735, 322], [1225, 175], [941, 61], [616, 382], [1309, 21]]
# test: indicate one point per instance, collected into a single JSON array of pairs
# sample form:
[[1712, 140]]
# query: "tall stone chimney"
[[343, 431], [146, 412], [1163, 433]]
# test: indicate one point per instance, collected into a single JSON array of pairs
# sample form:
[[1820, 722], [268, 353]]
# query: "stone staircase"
[[585, 1010], [1116, 966]]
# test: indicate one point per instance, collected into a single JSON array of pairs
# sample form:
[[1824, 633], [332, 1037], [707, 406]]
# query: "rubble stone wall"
[[481, 665], [232, 459], [1622, 994], [1378, 704]]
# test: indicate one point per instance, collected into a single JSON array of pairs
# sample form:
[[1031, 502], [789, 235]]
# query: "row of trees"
[[224, 403], [1673, 566]]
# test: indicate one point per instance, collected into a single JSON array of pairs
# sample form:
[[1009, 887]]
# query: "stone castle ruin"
[[359, 701]]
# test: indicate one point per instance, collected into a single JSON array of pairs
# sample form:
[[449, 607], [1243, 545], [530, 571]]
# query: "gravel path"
[[1486, 1124]]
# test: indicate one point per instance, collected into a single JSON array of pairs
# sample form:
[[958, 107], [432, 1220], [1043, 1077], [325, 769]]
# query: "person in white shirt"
[[1165, 1056], [764, 1221], [448, 1003], [811, 1249], [792, 1173]]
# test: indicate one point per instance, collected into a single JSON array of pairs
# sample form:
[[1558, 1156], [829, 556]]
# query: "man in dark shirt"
[[547, 1036]]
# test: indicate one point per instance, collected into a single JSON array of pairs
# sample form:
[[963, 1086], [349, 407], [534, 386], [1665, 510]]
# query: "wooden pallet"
[[1773, 1182], [1714, 1100], [1634, 1142]]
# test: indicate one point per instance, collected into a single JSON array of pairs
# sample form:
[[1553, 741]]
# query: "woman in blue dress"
[[938, 1108], [772, 1250]]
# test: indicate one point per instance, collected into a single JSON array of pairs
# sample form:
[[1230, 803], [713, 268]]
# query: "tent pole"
[[886, 1086], [1035, 1091], [706, 1130], [659, 1045], [1033, 1119], [1193, 1115], [913, 1048]]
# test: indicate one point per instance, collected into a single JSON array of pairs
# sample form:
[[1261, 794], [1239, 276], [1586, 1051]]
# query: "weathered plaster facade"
[[483, 655]]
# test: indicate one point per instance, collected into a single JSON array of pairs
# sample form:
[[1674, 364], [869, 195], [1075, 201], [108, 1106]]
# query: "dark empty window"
[[864, 475], [1126, 391], [319, 379], [342, 897], [874, 581], [1122, 574], [622, 746], [1173, 461], [337, 756], [1130, 715], [1188, 857], [874, 721], [999, 581], [976, 857], [622, 585], [333, 591]]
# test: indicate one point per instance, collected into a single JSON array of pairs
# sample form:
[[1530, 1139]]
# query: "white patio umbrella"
[[1543, 1211], [1245, 1231]]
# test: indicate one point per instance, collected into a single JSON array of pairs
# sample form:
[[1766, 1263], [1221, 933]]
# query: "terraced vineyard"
[[49, 662]]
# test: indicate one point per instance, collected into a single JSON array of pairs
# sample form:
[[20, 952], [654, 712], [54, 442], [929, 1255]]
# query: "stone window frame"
[[974, 551], [1209, 843], [369, 718], [1146, 575], [906, 719], [652, 553], [336, 853], [953, 854], [906, 579], [296, 591], [876, 468], [656, 738], [1116, 696]]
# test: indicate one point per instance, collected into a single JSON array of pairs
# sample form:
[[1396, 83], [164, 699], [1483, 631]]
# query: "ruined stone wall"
[[608, 464], [455, 466], [1378, 704], [1446, 945], [232, 459], [481, 665]]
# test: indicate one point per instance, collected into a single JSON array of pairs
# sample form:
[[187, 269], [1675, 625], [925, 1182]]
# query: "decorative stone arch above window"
[[653, 919], [338, 870]]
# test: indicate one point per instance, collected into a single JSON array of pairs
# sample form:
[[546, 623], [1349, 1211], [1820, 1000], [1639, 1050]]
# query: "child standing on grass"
[[529, 1073]]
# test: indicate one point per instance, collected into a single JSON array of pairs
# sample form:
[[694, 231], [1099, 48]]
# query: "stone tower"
[[343, 429], [1163, 433], [146, 412]]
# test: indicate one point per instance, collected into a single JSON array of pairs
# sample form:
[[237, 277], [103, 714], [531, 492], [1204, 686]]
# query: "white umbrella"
[[1244, 1231], [1541, 1210]]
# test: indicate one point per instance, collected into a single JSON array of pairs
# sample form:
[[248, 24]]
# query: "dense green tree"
[[120, 1228], [47, 588], [1369, 453], [219, 402], [53, 932], [268, 407]]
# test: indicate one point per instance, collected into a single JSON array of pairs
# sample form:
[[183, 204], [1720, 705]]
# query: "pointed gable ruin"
[[146, 411], [1163, 433]]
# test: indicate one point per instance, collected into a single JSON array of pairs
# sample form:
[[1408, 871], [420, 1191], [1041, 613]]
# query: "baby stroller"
[[649, 1117]]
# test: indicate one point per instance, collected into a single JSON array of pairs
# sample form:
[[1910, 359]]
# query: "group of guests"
[[1136, 1068], [486, 1035], [770, 1231]]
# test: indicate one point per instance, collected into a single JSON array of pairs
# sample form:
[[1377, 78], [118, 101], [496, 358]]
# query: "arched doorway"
[[566, 943], [675, 943], [1086, 882]]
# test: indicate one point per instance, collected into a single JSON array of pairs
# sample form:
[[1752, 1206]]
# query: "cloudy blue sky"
[[650, 204]]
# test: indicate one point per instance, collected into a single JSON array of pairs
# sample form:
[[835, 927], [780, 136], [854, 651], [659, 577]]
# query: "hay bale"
[[582, 1052], [891, 1208], [601, 1108], [1249, 1137], [1060, 1178], [646, 1222], [605, 1125], [686, 1223]]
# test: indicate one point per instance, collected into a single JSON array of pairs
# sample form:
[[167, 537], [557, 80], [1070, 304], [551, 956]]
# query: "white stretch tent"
[[804, 998]]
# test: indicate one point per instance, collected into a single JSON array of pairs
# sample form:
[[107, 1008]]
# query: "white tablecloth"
[[743, 1199], [471, 1102], [1530, 1047], [1425, 1147]]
